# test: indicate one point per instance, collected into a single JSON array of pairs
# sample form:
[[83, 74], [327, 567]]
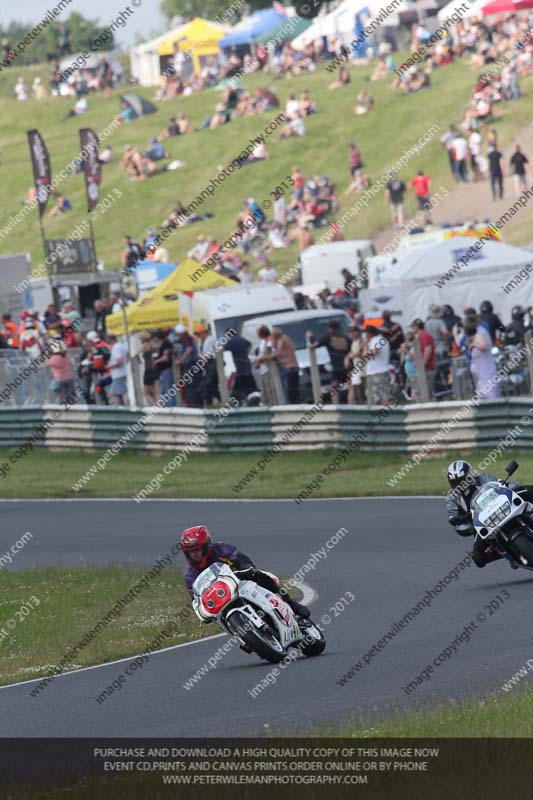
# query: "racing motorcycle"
[[261, 621], [500, 514]]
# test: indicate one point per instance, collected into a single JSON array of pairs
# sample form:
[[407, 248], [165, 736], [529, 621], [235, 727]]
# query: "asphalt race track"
[[395, 551]]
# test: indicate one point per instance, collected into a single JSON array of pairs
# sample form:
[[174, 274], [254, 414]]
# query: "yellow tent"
[[199, 37], [158, 308]]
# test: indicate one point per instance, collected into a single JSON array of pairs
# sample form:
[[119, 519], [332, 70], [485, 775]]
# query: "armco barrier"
[[383, 428], [445, 426], [497, 419], [450, 426]]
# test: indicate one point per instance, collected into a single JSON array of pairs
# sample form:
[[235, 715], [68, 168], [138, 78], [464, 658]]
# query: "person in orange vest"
[[9, 331]]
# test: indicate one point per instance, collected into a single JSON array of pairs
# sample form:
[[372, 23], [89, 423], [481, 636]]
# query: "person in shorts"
[[117, 365], [394, 192], [377, 356]]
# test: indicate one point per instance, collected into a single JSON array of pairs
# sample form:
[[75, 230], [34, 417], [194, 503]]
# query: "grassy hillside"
[[397, 122]]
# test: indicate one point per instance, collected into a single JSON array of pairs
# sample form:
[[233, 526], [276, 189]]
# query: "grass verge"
[[47, 475], [72, 600], [503, 715]]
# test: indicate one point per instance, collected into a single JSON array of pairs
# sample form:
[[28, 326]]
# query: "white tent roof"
[[341, 21], [413, 279], [474, 10]]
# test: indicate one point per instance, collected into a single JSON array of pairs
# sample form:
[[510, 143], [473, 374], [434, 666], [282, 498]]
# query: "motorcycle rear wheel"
[[261, 644]]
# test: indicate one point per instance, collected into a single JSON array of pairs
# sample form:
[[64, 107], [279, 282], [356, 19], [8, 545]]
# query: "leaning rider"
[[200, 551], [464, 482]]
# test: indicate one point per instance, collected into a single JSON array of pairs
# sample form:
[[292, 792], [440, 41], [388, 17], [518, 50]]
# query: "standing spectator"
[[100, 313], [99, 356], [208, 387], [131, 254], [355, 160], [9, 331], [474, 146], [338, 346], [422, 186], [354, 363], [438, 330], [491, 320], [447, 140], [187, 357], [394, 192], [482, 363], [427, 348], [408, 365], [163, 362], [298, 184], [51, 317], [450, 318], [63, 377], [280, 209], [119, 371], [63, 39], [459, 150], [350, 284], [285, 355], [518, 163], [244, 275], [377, 356], [244, 381], [151, 373], [495, 172], [31, 341], [104, 76], [393, 331], [267, 273]]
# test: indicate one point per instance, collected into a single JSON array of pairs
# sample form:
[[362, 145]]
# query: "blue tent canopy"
[[257, 24]]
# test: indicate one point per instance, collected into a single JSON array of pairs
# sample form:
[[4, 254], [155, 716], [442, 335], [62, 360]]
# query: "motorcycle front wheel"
[[261, 641], [524, 545], [314, 643]]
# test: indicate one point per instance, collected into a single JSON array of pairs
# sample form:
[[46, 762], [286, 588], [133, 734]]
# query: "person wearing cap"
[[427, 348], [355, 365], [376, 354], [438, 329]]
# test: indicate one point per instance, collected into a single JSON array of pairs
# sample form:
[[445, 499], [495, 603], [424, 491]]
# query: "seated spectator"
[[267, 273], [200, 249], [156, 151], [21, 89], [135, 165], [364, 103], [259, 153], [245, 275], [62, 204], [183, 124], [307, 106], [292, 107], [106, 155], [79, 107], [275, 238], [172, 129], [294, 127], [31, 196], [343, 78], [125, 114], [38, 89]]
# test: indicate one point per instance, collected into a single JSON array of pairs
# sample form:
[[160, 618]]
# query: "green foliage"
[[82, 32]]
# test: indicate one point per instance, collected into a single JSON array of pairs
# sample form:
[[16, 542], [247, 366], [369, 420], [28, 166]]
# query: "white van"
[[321, 264], [229, 307], [295, 324]]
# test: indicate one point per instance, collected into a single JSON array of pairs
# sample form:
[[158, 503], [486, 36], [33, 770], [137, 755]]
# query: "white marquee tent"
[[408, 283], [341, 21], [473, 9]]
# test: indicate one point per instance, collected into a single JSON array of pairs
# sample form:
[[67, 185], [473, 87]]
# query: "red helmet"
[[197, 541]]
